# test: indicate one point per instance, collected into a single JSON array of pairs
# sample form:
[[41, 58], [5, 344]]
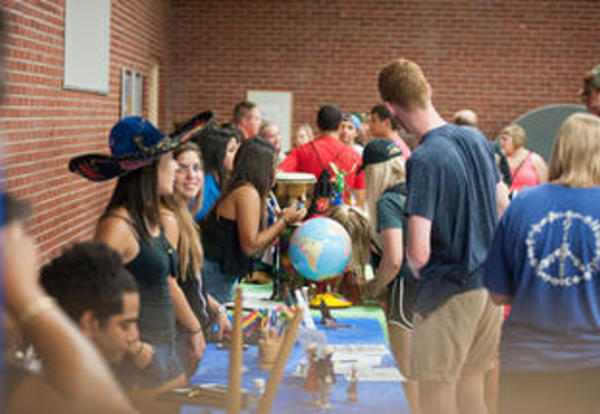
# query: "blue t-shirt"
[[209, 196], [452, 180], [546, 256]]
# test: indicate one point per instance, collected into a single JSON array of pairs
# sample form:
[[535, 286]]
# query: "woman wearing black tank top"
[[142, 159], [231, 232]]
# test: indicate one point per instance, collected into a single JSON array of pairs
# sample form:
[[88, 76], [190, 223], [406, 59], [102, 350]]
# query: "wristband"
[[221, 309], [35, 307]]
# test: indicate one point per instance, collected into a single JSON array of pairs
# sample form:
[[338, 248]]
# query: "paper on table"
[[377, 374], [372, 360], [360, 349], [256, 300], [307, 336]]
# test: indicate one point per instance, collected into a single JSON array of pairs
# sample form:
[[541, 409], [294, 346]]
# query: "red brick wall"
[[43, 125], [500, 58]]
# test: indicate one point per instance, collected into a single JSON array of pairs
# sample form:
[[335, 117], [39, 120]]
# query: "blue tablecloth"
[[379, 397]]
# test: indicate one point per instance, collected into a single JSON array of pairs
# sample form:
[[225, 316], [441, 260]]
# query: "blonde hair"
[[402, 82], [575, 159], [517, 133], [465, 117], [357, 226], [189, 247], [307, 130], [380, 177]]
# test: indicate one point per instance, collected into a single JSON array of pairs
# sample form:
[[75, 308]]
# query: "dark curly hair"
[[329, 117], [88, 276], [384, 113]]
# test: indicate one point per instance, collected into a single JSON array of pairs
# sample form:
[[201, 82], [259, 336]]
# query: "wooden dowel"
[[234, 390], [266, 402]]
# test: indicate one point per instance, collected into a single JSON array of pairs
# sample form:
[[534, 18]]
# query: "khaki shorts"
[[462, 334]]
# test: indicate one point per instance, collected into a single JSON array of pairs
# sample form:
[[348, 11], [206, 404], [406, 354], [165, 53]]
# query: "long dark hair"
[[137, 192], [254, 165], [213, 142]]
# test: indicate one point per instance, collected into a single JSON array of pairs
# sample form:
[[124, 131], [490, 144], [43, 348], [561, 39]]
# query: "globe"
[[320, 249]]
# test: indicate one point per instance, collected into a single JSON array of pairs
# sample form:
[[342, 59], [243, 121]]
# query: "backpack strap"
[[323, 166], [521, 164], [312, 144]]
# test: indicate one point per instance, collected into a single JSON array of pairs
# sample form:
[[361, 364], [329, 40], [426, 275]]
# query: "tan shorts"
[[462, 334]]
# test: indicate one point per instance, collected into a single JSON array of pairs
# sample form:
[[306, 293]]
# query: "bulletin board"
[[87, 45], [276, 107]]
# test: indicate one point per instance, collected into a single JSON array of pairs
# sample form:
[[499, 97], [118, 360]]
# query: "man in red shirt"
[[316, 155]]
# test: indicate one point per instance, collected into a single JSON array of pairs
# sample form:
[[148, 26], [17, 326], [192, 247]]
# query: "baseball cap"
[[379, 150]]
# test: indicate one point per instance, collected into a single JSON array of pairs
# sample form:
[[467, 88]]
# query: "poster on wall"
[[87, 45], [132, 88], [276, 107]]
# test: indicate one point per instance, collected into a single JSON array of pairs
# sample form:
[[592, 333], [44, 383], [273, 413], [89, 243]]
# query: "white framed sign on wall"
[[87, 45], [132, 93], [276, 107]]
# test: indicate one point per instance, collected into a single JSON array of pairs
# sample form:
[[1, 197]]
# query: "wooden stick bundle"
[[234, 391], [266, 402]]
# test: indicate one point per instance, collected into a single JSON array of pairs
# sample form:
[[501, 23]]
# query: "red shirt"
[[305, 159]]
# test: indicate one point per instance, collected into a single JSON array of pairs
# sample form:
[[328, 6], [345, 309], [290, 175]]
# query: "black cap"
[[379, 150]]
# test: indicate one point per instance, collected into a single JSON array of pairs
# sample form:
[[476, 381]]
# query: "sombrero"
[[134, 143]]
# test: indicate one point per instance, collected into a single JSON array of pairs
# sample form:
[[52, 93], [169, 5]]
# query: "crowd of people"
[[118, 319]]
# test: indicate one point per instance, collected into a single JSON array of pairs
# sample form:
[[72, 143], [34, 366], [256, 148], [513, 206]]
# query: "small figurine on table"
[[326, 375], [327, 318], [257, 392], [353, 387], [311, 383]]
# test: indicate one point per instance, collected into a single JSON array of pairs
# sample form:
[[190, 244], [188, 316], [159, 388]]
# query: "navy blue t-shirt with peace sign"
[[546, 256]]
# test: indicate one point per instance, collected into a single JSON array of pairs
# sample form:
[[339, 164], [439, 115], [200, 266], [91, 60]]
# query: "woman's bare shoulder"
[[245, 190], [115, 229]]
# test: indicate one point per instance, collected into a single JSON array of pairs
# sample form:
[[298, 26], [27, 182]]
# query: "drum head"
[[295, 177]]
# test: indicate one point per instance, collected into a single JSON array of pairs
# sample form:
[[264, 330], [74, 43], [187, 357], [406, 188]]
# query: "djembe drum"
[[292, 186]]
